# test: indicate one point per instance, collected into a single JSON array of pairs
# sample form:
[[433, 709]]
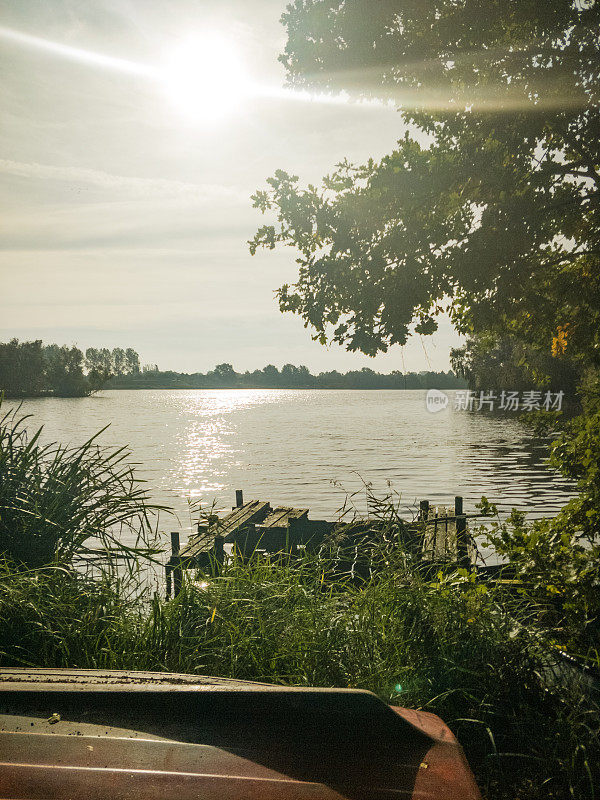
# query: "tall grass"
[[56, 616], [62, 504], [446, 645]]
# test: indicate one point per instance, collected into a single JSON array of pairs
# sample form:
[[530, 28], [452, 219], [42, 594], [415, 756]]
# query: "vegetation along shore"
[[483, 656], [30, 369]]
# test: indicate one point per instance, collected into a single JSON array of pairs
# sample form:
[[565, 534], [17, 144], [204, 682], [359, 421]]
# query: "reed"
[[60, 505], [443, 645]]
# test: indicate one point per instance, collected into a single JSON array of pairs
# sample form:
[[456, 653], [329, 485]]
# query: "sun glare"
[[204, 77]]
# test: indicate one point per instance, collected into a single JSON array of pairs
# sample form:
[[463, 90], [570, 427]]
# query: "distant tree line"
[[223, 376], [32, 369]]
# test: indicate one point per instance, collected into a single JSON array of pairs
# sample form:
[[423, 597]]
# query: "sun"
[[205, 78]]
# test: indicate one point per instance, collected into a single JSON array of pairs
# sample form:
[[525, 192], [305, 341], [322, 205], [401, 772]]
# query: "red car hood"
[[70, 734]]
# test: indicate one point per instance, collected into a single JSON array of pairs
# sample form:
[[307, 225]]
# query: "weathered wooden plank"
[[281, 517], [279, 531], [250, 513], [228, 527], [202, 543], [439, 542]]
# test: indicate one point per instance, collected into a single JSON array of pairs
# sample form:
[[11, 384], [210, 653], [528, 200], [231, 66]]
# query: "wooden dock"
[[439, 534]]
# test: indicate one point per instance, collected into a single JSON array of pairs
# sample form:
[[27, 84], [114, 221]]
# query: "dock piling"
[[174, 567], [462, 544]]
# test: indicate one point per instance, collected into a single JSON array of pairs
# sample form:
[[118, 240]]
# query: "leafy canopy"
[[488, 207]]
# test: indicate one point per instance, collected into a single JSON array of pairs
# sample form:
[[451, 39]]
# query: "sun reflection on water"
[[208, 445], [198, 446]]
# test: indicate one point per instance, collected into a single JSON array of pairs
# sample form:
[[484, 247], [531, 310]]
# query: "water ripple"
[[289, 446]]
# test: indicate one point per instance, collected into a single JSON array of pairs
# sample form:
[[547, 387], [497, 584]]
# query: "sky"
[[126, 175]]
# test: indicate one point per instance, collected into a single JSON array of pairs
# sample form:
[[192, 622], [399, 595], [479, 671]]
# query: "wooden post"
[[458, 506], [461, 541], [219, 549], [168, 570], [176, 563], [239, 498], [423, 516], [291, 536], [177, 579]]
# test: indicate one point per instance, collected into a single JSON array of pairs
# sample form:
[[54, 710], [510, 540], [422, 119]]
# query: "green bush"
[[558, 559]]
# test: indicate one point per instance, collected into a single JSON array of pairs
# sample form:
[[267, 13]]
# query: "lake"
[[307, 448]]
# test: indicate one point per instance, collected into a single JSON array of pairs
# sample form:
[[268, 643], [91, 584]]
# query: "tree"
[[106, 362], [296, 377], [27, 369], [224, 375], [93, 364], [21, 368], [133, 361], [64, 371], [489, 205], [490, 362], [289, 374], [271, 375], [100, 366], [119, 361]]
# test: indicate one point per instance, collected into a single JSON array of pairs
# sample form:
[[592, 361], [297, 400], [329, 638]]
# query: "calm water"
[[306, 448]]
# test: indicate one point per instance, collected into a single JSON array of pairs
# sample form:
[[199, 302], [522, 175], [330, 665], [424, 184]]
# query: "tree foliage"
[[224, 376], [492, 362], [559, 558], [21, 368], [489, 205], [29, 369]]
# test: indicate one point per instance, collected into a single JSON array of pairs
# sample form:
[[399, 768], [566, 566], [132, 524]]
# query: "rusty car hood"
[[107, 735]]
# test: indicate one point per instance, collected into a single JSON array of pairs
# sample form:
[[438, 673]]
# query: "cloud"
[[136, 187], [51, 207], [139, 223]]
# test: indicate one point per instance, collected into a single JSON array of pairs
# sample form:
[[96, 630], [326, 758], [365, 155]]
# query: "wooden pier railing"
[[445, 536]]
